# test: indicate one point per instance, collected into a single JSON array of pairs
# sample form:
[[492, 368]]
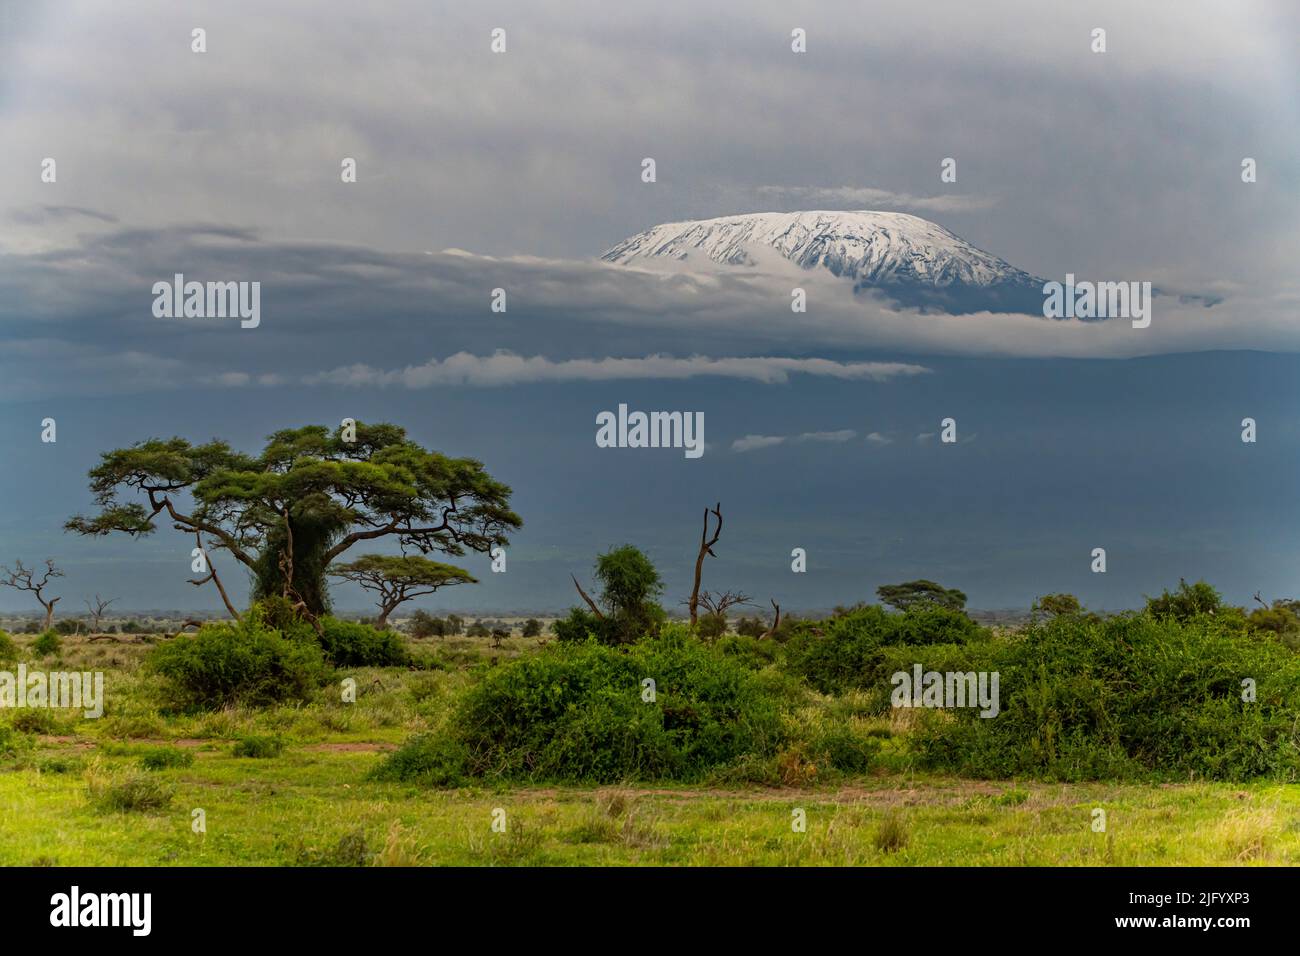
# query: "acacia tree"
[[398, 578], [24, 579], [921, 593], [289, 512]]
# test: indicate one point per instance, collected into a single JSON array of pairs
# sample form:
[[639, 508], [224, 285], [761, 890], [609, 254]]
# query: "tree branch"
[[590, 603]]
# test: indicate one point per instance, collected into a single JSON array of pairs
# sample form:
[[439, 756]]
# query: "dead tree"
[[24, 579], [212, 576], [590, 603], [97, 609], [720, 603], [706, 548], [776, 621]]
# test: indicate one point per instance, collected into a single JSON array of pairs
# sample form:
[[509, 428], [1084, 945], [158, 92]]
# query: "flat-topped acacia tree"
[[397, 578], [311, 494]]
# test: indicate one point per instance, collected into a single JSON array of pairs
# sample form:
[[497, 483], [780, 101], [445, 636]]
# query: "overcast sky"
[[479, 170]]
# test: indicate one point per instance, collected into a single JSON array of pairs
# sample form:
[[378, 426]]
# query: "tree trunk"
[[49, 613]]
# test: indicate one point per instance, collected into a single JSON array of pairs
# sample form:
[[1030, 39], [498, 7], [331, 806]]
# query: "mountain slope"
[[912, 260]]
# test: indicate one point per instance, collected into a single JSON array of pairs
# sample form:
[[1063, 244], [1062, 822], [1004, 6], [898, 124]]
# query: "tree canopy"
[[397, 578], [310, 495], [920, 593]]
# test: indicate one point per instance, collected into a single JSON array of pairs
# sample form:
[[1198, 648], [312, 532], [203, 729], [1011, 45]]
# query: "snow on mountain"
[[912, 260]]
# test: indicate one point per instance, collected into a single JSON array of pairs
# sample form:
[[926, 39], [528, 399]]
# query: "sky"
[[479, 170]]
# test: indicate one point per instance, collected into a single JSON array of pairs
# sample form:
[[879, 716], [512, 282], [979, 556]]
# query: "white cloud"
[[754, 442], [878, 439], [506, 368], [868, 197]]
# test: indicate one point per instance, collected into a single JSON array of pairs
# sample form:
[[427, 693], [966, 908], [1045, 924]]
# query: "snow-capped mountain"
[[912, 260]]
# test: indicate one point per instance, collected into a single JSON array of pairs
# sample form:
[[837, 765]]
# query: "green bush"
[[47, 645], [710, 627], [34, 721], [258, 747], [134, 792], [850, 649], [348, 644], [750, 651], [13, 741], [8, 649], [243, 662], [575, 713], [162, 758], [1131, 697], [423, 624]]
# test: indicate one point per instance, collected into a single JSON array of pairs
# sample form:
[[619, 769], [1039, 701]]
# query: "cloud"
[[754, 442], [44, 213], [43, 367], [867, 197], [878, 439], [506, 368], [336, 313]]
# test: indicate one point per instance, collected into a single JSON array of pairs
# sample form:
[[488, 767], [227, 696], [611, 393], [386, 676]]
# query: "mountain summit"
[[911, 260]]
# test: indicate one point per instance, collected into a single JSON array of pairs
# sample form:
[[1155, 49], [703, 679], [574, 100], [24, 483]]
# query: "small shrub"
[[47, 645], [8, 649], [59, 765], [34, 721], [163, 758], [258, 747], [429, 759], [349, 644], [893, 834], [133, 793], [423, 624], [244, 662], [710, 627], [352, 849], [749, 651], [13, 742]]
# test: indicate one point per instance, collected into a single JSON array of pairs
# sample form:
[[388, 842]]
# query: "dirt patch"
[[351, 748]]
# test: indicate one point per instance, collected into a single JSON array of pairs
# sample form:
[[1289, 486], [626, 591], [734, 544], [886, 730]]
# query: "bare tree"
[[24, 579], [721, 602], [706, 548], [97, 609], [776, 621]]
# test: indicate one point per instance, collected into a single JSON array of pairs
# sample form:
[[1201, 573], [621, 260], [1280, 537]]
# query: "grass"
[[79, 796]]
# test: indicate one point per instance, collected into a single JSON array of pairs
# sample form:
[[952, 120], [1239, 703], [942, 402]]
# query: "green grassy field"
[[60, 799]]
